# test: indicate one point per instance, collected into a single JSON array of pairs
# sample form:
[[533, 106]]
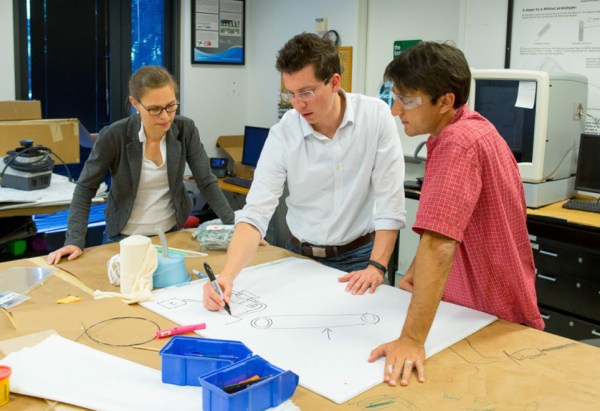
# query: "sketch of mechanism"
[[583, 26], [173, 303], [242, 302], [313, 321], [246, 303]]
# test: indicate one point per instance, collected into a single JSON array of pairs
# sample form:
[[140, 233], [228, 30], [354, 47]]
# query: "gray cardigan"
[[119, 150]]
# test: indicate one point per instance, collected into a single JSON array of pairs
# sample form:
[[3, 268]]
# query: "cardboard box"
[[234, 147], [60, 135], [20, 110]]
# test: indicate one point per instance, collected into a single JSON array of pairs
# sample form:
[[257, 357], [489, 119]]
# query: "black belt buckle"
[[334, 250]]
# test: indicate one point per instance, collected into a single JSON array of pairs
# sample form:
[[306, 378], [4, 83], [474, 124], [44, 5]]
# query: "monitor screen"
[[536, 114], [254, 140], [588, 166], [496, 100]]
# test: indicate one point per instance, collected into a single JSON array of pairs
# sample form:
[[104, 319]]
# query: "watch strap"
[[378, 265]]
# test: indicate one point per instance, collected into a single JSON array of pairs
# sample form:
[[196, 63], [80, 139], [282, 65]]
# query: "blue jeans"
[[107, 239], [350, 261]]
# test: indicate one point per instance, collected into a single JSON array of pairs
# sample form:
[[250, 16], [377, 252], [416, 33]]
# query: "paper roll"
[[134, 260], [135, 264]]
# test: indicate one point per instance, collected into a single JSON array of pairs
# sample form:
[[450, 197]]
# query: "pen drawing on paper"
[[297, 314], [245, 303], [313, 321]]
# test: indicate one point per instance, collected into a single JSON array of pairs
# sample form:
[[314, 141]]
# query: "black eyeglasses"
[[155, 111]]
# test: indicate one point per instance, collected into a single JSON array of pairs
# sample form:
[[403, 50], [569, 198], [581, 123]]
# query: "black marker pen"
[[213, 280]]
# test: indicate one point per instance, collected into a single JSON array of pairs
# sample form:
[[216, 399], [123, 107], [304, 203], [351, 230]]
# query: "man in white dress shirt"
[[340, 154]]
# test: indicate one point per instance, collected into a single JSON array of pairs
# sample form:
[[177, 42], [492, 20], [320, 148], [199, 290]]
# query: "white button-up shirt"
[[339, 188]]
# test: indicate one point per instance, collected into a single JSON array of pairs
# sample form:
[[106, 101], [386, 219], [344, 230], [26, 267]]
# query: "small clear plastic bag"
[[213, 235]]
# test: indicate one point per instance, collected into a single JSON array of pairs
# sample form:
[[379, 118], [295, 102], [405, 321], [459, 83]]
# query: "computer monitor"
[[254, 140], [540, 115], [587, 179]]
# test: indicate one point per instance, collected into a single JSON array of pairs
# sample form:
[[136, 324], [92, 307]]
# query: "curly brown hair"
[[308, 48], [435, 68]]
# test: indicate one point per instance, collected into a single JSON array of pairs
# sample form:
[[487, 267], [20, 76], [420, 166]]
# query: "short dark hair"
[[149, 78], [435, 68], [308, 48]]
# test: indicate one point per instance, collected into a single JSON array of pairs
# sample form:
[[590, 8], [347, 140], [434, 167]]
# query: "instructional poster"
[[555, 35], [218, 31]]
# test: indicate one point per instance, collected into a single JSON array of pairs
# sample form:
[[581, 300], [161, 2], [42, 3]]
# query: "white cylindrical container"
[[133, 252]]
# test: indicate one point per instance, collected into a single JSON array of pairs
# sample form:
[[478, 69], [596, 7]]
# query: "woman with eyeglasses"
[[146, 155]]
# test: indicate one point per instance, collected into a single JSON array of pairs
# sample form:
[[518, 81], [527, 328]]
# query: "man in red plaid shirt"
[[474, 248]]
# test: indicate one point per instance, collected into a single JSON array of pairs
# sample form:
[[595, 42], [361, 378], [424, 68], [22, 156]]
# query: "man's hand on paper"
[[406, 282], [402, 356], [361, 281]]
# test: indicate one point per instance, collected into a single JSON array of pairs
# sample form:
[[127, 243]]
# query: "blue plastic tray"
[[184, 359], [267, 393]]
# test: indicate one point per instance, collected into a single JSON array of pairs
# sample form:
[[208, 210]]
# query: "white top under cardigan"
[[153, 206]]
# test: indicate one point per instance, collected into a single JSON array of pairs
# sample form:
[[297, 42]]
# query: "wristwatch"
[[377, 265]]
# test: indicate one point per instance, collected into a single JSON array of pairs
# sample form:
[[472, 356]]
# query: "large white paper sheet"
[[65, 371], [294, 313]]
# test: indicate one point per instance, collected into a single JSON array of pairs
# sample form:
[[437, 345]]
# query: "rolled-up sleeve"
[[388, 176]]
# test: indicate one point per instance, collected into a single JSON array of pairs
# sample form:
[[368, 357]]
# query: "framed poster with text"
[[558, 36], [218, 31]]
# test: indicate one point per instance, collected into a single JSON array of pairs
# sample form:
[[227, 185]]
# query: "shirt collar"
[[348, 119], [433, 141], [142, 135]]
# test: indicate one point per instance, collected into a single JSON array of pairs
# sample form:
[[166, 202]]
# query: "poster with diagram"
[[218, 31], [560, 35]]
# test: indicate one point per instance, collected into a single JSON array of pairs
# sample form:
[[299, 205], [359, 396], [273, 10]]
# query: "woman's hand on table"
[[71, 251]]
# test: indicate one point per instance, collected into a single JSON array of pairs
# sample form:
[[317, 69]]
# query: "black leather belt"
[[327, 251]]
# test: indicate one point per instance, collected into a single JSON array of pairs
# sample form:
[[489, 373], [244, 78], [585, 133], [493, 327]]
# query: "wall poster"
[[558, 35], [218, 31]]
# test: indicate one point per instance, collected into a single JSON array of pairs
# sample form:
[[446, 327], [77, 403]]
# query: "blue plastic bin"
[[184, 359], [262, 395]]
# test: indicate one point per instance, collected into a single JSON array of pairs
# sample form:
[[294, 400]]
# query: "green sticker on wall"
[[401, 45]]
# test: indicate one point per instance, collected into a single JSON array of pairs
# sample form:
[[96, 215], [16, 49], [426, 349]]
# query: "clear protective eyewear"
[[156, 111], [410, 103], [303, 96]]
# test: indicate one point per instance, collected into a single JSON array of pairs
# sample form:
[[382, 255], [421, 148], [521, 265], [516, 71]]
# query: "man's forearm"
[[383, 246], [242, 248], [431, 266]]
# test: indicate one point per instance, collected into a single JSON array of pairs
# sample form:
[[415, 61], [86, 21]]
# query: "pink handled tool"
[[180, 330]]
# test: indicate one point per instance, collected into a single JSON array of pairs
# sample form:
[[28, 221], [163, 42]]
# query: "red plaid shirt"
[[473, 193]]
